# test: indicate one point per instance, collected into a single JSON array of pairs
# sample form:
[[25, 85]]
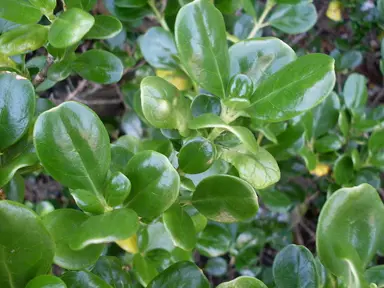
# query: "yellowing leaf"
[[176, 78], [320, 170], [334, 11], [129, 245]]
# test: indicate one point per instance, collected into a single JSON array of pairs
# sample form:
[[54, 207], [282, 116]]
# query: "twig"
[[158, 15], [98, 102], [378, 97], [82, 84], [40, 77]]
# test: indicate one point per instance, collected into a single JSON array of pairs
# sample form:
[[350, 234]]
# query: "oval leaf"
[[19, 11], [105, 27], [83, 279], [243, 282], [46, 281]]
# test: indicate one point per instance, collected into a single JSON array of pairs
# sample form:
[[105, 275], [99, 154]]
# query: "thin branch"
[[82, 84], [42, 75]]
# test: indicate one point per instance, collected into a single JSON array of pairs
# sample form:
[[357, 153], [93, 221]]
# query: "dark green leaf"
[[376, 148], [158, 48], [105, 27], [289, 92], [17, 106], [225, 198], [343, 170], [15, 189], [61, 224], [294, 267], [178, 274], [205, 103], [155, 183], [99, 66], [179, 224], [58, 71], [325, 115], [110, 269], [201, 41], [26, 247], [66, 31], [117, 189], [145, 270], [88, 201], [130, 3], [83, 279], [328, 143], [355, 91]]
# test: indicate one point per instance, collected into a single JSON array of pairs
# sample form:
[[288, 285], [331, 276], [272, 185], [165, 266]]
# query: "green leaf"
[[294, 19], [117, 189], [328, 143], [144, 270], [7, 64], [178, 274], [205, 103], [260, 169], [130, 3], [225, 198], [46, 281], [294, 267], [180, 225], [159, 48], [376, 274], [83, 279], [325, 115], [375, 147], [99, 66], [82, 4], [214, 121], [240, 88], [61, 224], [343, 123], [111, 226], [23, 39], [105, 27], [58, 71], [26, 248], [44, 207], [309, 157], [196, 155], [46, 6], [88, 201], [355, 91], [291, 1], [243, 282], [19, 11], [110, 269], [66, 31], [17, 106], [163, 105], [214, 240], [343, 170], [201, 41], [289, 92], [249, 8], [259, 58], [349, 232], [155, 184], [15, 189], [216, 266]]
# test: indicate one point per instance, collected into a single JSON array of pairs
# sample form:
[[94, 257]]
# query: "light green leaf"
[[289, 92], [105, 27], [26, 247], [355, 91], [145, 270], [117, 189], [201, 41], [225, 198], [243, 282], [46, 6], [46, 281], [19, 11], [82, 4], [376, 148]]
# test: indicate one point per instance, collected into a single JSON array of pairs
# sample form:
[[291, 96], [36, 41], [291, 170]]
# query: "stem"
[[64, 5], [260, 138], [158, 15], [232, 38], [260, 24]]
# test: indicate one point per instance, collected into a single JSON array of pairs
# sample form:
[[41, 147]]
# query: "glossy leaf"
[[86, 5], [88, 201], [83, 279], [225, 198], [205, 103], [201, 41], [375, 147], [294, 267], [294, 19], [343, 170], [145, 271], [170, 277], [289, 92], [159, 48], [58, 71], [259, 58], [17, 106], [196, 155], [46, 6], [180, 225], [70, 27], [46, 281], [240, 88], [355, 91], [81, 156], [61, 223], [15, 271], [214, 121], [117, 189], [19, 11], [155, 184], [163, 105], [176, 77], [325, 115], [111, 226], [105, 27], [349, 232], [343, 123], [23, 39], [15, 189], [110, 269], [260, 169], [243, 282], [214, 240], [99, 66]]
